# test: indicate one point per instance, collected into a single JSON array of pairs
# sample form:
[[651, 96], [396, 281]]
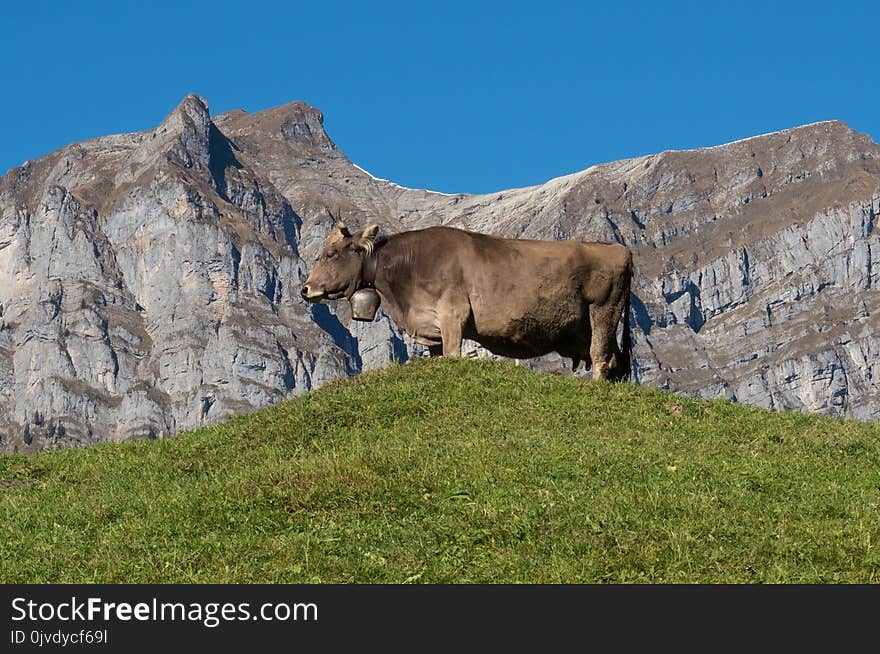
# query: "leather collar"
[[368, 271]]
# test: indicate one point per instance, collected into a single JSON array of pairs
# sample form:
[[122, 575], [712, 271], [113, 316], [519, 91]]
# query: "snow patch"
[[570, 177], [758, 136], [405, 188]]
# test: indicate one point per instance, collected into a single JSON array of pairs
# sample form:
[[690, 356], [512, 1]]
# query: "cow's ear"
[[342, 228], [368, 238]]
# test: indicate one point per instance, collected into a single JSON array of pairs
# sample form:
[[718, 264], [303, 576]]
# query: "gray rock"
[[149, 283]]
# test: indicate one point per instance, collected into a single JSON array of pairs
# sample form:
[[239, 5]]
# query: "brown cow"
[[517, 298]]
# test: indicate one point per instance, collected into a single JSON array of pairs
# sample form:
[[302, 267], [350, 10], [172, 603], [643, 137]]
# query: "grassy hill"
[[458, 471]]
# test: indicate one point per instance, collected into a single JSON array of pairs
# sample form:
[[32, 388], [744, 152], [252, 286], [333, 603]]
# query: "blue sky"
[[453, 96]]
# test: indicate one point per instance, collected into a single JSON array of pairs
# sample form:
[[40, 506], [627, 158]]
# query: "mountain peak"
[[296, 122], [832, 131], [193, 102], [184, 136], [193, 109], [189, 124]]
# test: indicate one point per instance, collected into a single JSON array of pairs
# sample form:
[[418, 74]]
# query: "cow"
[[517, 298]]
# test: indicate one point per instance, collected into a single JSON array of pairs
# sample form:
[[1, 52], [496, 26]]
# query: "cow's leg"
[[452, 320], [603, 347], [450, 332], [583, 342]]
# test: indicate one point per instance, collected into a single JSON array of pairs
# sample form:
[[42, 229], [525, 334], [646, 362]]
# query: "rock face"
[[149, 282]]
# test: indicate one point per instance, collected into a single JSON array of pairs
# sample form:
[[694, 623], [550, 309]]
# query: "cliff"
[[149, 282]]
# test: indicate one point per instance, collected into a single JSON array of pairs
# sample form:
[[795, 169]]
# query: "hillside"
[[149, 282], [458, 471]]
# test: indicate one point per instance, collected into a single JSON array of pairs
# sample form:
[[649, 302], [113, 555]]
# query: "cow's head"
[[337, 272]]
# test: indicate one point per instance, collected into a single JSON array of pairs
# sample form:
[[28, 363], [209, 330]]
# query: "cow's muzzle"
[[311, 294]]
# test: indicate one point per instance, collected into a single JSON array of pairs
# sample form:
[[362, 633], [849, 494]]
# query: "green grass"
[[459, 471]]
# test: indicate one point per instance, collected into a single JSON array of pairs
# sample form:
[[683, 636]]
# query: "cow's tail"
[[626, 339], [626, 343]]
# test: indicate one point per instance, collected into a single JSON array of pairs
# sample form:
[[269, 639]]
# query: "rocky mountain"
[[149, 282]]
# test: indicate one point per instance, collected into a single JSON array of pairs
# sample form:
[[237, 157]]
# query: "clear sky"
[[453, 96]]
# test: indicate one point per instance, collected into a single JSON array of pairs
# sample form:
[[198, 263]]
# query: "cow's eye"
[[331, 256]]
